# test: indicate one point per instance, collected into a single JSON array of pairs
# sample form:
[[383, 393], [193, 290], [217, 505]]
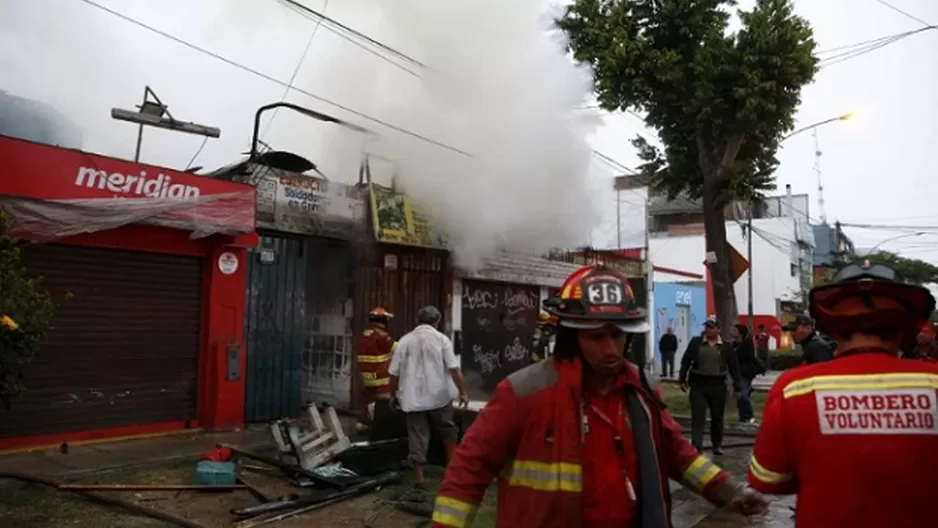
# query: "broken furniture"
[[313, 447]]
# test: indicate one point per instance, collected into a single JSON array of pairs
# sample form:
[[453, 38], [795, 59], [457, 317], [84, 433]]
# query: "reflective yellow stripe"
[[452, 512], [394, 347], [546, 476], [765, 475], [374, 359], [700, 472], [908, 380], [380, 382]]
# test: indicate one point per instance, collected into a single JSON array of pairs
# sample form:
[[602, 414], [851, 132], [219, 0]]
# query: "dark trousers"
[[707, 394], [744, 404], [667, 364]]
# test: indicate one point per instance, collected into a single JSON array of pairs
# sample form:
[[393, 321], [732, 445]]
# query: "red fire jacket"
[[517, 439], [375, 347], [855, 438]]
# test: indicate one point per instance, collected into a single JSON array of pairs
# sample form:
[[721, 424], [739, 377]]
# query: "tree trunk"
[[721, 272]]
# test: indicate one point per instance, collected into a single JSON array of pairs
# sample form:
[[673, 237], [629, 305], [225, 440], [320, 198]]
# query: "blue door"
[[275, 328]]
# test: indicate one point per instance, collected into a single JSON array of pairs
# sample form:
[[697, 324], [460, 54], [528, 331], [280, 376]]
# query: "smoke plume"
[[496, 84]]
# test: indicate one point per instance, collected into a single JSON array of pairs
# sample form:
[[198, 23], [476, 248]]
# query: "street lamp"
[[845, 117], [891, 239], [842, 117]]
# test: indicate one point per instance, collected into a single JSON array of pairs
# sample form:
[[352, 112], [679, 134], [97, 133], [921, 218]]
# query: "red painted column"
[[222, 399]]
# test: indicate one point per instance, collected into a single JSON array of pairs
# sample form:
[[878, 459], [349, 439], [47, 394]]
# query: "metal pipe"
[[106, 499], [151, 487], [296, 108]]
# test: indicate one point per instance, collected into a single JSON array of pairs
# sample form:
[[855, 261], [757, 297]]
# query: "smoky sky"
[[83, 61]]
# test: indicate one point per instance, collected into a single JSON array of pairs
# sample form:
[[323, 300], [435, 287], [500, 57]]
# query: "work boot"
[[717, 450]]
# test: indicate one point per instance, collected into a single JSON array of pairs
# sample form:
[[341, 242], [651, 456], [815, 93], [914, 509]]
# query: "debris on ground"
[[309, 466]]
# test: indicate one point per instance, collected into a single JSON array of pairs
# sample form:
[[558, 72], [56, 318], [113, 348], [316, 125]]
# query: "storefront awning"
[[52, 193]]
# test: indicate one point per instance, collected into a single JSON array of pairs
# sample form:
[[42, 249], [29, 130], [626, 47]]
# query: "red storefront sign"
[[54, 192]]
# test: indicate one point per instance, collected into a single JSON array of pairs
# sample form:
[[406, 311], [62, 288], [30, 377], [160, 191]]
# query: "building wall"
[[772, 261], [681, 307]]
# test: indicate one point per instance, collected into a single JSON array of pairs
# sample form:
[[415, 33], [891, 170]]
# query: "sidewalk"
[[91, 458]]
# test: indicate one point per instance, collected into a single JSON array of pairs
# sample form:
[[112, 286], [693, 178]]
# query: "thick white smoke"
[[497, 85]]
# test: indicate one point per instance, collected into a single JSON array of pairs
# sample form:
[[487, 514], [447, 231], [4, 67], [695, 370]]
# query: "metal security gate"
[[275, 328], [498, 322], [403, 280], [328, 356], [124, 348]]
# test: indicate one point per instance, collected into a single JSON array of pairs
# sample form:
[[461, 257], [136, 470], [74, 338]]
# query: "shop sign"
[[63, 177], [397, 221], [228, 263], [308, 205]]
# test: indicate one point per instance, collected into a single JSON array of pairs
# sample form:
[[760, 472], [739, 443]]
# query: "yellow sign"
[[397, 221]]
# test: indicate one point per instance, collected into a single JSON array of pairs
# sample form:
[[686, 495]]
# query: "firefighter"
[[855, 438], [925, 347], [580, 439], [374, 349], [543, 337]]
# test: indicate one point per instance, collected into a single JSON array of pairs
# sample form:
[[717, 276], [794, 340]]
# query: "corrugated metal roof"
[[522, 269]]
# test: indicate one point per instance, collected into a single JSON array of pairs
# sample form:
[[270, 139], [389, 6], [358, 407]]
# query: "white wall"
[[771, 261]]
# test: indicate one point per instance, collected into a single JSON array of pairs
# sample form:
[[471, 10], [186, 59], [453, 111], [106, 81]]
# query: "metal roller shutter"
[[123, 350]]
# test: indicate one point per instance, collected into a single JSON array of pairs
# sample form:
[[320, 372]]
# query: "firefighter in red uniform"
[[580, 439], [856, 438], [374, 349]]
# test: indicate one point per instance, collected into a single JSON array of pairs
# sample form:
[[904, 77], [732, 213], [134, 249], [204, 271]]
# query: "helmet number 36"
[[605, 293]]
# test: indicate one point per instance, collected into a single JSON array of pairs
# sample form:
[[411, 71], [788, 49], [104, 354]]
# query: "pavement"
[[87, 460], [736, 461], [79, 461]]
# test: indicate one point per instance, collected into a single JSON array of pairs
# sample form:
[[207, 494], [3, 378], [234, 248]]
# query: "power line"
[[872, 46], [903, 13], [296, 71], [336, 24], [612, 162], [197, 152], [320, 98]]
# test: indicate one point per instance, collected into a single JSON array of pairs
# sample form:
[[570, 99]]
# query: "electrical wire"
[[343, 31], [296, 71], [903, 13], [870, 47], [197, 152], [274, 80], [612, 163]]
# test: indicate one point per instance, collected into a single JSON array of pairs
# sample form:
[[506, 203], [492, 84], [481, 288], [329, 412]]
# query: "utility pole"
[[649, 284], [152, 112], [751, 312], [618, 219]]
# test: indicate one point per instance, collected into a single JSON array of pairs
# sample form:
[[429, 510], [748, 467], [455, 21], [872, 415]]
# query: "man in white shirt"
[[423, 370]]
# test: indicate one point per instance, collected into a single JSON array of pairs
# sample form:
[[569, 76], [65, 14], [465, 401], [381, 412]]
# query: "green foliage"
[[912, 270], [24, 301], [719, 100], [784, 359]]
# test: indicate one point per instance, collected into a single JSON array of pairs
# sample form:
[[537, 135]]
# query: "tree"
[[912, 270], [25, 315], [720, 100]]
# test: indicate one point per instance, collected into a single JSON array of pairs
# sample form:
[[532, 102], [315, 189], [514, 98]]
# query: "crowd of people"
[[582, 438]]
